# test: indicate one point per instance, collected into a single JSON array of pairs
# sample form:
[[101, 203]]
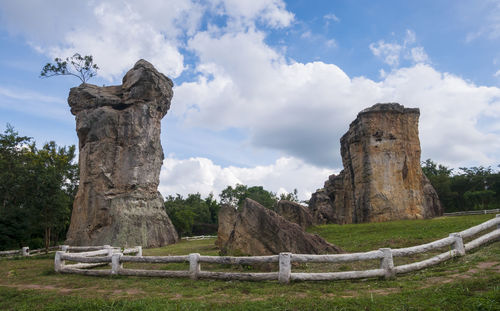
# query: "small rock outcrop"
[[382, 178], [257, 230], [296, 213], [120, 158], [227, 218]]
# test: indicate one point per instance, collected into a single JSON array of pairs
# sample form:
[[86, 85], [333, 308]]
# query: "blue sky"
[[264, 89]]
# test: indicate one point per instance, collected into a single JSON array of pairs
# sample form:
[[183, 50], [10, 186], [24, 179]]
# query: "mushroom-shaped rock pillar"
[[120, 158]]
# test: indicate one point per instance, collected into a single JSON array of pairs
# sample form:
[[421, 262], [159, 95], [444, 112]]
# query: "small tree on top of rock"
[[82, 67]]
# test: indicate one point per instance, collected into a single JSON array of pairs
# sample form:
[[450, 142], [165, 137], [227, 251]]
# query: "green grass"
[[395, 234], [467, 283]]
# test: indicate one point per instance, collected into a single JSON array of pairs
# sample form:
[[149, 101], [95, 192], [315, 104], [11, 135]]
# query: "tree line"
[[465, 189], [38, 185], [194, 215]]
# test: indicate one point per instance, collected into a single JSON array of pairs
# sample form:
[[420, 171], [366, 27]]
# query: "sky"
[[264, 89]]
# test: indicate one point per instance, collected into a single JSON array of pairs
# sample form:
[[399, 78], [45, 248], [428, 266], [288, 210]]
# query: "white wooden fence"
[[25, 251], [387, 269], [482, 212], [198, 237]]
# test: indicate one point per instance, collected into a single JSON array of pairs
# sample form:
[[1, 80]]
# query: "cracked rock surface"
[[255, 230], [382, 178], [120, 158]]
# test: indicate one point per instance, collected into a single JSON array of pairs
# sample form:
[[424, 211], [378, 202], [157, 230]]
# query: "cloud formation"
[[118, 33], [489, 21], [391, 53], [302, 109], [239, 81], [202, 175]]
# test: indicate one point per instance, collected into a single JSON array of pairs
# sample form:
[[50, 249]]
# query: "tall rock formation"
[[120, 157], [255, 230], [382, 178]]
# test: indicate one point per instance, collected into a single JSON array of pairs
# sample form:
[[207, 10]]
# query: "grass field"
[[467, 283]]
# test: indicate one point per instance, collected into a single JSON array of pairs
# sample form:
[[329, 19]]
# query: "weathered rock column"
[[382, 179], [120, 158]]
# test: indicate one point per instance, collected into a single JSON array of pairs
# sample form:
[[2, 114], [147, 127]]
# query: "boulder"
[[296, 213], [120, 157], [382, 178], [260, 231], [227, 218]]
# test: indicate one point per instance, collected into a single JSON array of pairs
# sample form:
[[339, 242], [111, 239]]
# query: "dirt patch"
[[129, 291], [38, 287], [380, 292], [488, 265], [176, 297], [482, 266]]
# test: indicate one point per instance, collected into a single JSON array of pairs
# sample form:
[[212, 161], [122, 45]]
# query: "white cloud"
[[488, 20], [306, 35], [245, 12], [302, 109], [497, 74], [202, 175], [121, 37], [331, 43], [298, 109], [418, 55], [391, 53], [410, 37], [118, 33], [331, 17]]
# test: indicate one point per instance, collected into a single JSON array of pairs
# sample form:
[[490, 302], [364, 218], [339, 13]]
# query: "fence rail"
[[198, 237], [387, 269], [25, 251], [84, 250], [482, 212]]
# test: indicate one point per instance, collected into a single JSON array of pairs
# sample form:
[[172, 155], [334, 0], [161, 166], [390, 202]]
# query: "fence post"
[[194, 265], [58, 261], [65, 248], [387, 263], [285, 268], [458, 244], [110, 250], [115, 263], [139, 251], [498, 225], [25, 251]]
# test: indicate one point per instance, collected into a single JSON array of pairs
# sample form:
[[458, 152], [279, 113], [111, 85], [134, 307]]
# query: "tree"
[[213, 208], [440, 178], [82, 67], [182, 216], [432, 169], [51, 191], [193, 215], [37, 188], [291, 196], [235, 196], [480, 199], [469, 189], [14, 219]]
